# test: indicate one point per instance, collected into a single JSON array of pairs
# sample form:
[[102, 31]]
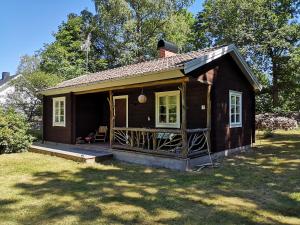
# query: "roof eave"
[[159, 75], [233, 51]]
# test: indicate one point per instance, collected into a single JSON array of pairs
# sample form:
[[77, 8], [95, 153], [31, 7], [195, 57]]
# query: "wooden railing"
[[198, 141], [168, 142]]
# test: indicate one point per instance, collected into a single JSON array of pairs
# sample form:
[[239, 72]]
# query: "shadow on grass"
[[246, 189]]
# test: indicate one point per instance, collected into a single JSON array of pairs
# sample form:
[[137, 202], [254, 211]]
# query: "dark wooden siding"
[[139, 113], [196, 97], [57, 134], [229, 77]]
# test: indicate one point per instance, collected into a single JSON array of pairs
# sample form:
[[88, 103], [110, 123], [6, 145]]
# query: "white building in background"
[[6, 87]]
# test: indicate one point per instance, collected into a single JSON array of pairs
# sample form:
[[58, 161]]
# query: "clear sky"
[[26, 25]]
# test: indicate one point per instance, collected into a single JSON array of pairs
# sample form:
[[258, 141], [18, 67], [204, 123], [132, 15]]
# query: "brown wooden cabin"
[[194, 101]]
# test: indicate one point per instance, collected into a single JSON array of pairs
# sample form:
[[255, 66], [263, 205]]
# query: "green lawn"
[[260, 187]]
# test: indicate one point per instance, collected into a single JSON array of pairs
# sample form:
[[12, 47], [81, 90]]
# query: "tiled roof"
[[148, 67]]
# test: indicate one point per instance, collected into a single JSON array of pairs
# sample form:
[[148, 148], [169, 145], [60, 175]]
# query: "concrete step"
[[73, 153]]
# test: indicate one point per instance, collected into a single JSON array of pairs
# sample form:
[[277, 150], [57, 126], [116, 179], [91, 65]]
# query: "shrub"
[[14, 135], [268, 133], [36, 134], [271, 121]]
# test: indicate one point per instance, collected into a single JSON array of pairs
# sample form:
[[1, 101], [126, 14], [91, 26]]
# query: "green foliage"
[[13, 132], [28, 64], [267, 32], [64, 56], [37, 135], [129, 30], [27, 98], [182, 21], [268, 133]]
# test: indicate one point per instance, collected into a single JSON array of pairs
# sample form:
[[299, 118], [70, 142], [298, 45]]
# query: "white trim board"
[[167, 93], [60, 123], [240, 95], [121, 97], [112, 83], [233, 51]]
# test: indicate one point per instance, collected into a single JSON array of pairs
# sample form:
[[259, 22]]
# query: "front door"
[[121, 110]]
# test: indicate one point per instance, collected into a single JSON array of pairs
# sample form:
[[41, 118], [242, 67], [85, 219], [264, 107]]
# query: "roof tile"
[[152, 66]]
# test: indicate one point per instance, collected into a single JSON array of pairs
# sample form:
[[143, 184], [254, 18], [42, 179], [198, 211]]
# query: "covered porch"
[[179, 130]]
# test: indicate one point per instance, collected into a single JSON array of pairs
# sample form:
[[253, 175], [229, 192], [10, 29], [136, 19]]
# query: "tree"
[[28, 64], [64, 56], [267, 33], [129, 30], [26, 97]]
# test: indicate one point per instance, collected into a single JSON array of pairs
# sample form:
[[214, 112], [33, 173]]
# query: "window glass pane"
[[56, 111], [61, 104], [172, 109], [238, 109], [232, 100], [232, 109], [238, 118], [162, 101], [162, 118], [62, 111], [56, 104], [56, 119], [172, 100], [162, 109], [172, 118], [62, 119], [238, 100], [232, 119]]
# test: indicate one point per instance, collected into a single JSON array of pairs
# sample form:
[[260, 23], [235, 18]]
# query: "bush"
[[14, 129], [271, 121], [36, 134], [268, 133]]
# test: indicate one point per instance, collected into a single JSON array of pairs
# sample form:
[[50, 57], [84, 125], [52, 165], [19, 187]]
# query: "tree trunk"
[[275, 90]]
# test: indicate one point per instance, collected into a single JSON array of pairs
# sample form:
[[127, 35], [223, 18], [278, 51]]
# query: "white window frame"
[[121, 97], [60, 123], [162, 94], [240, 123]]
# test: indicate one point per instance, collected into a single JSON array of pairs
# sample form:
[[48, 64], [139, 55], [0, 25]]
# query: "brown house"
[[171, 108]]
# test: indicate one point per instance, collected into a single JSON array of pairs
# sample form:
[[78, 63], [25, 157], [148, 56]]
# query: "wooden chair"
[[101, 134]]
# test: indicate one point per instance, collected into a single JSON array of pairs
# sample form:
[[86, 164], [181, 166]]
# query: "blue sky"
[[25, 26]]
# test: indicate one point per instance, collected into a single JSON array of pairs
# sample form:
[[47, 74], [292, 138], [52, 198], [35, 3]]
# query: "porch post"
[[111, 120], [183, 121], [208, 116]]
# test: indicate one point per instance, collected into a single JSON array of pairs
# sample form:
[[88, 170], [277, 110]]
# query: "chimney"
[[166, 49], [5, 75]]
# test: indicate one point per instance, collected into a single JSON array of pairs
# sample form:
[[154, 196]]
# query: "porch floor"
[[88, 153]]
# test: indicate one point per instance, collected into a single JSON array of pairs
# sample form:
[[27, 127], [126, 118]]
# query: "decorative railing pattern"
[[197, 141], [161, 141]]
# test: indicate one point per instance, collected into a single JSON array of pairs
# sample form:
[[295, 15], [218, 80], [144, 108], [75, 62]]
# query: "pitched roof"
[[186, 61], [6, 80], [152, 66]]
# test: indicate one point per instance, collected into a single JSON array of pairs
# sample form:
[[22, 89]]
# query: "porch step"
[[72, 152]]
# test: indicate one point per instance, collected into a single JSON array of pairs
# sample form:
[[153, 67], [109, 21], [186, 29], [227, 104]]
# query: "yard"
[[259, 187]]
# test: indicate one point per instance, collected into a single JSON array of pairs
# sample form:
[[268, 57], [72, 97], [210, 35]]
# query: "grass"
[[262, 187]]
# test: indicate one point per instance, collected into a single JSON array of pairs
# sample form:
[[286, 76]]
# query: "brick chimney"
[[5, 75], [166, 49]]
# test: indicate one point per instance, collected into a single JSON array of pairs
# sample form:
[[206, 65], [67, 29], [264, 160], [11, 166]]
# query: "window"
[[59, 111], [235, 104], [167, 109]]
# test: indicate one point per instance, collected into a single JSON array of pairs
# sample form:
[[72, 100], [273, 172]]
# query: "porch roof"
[[149, 68]]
